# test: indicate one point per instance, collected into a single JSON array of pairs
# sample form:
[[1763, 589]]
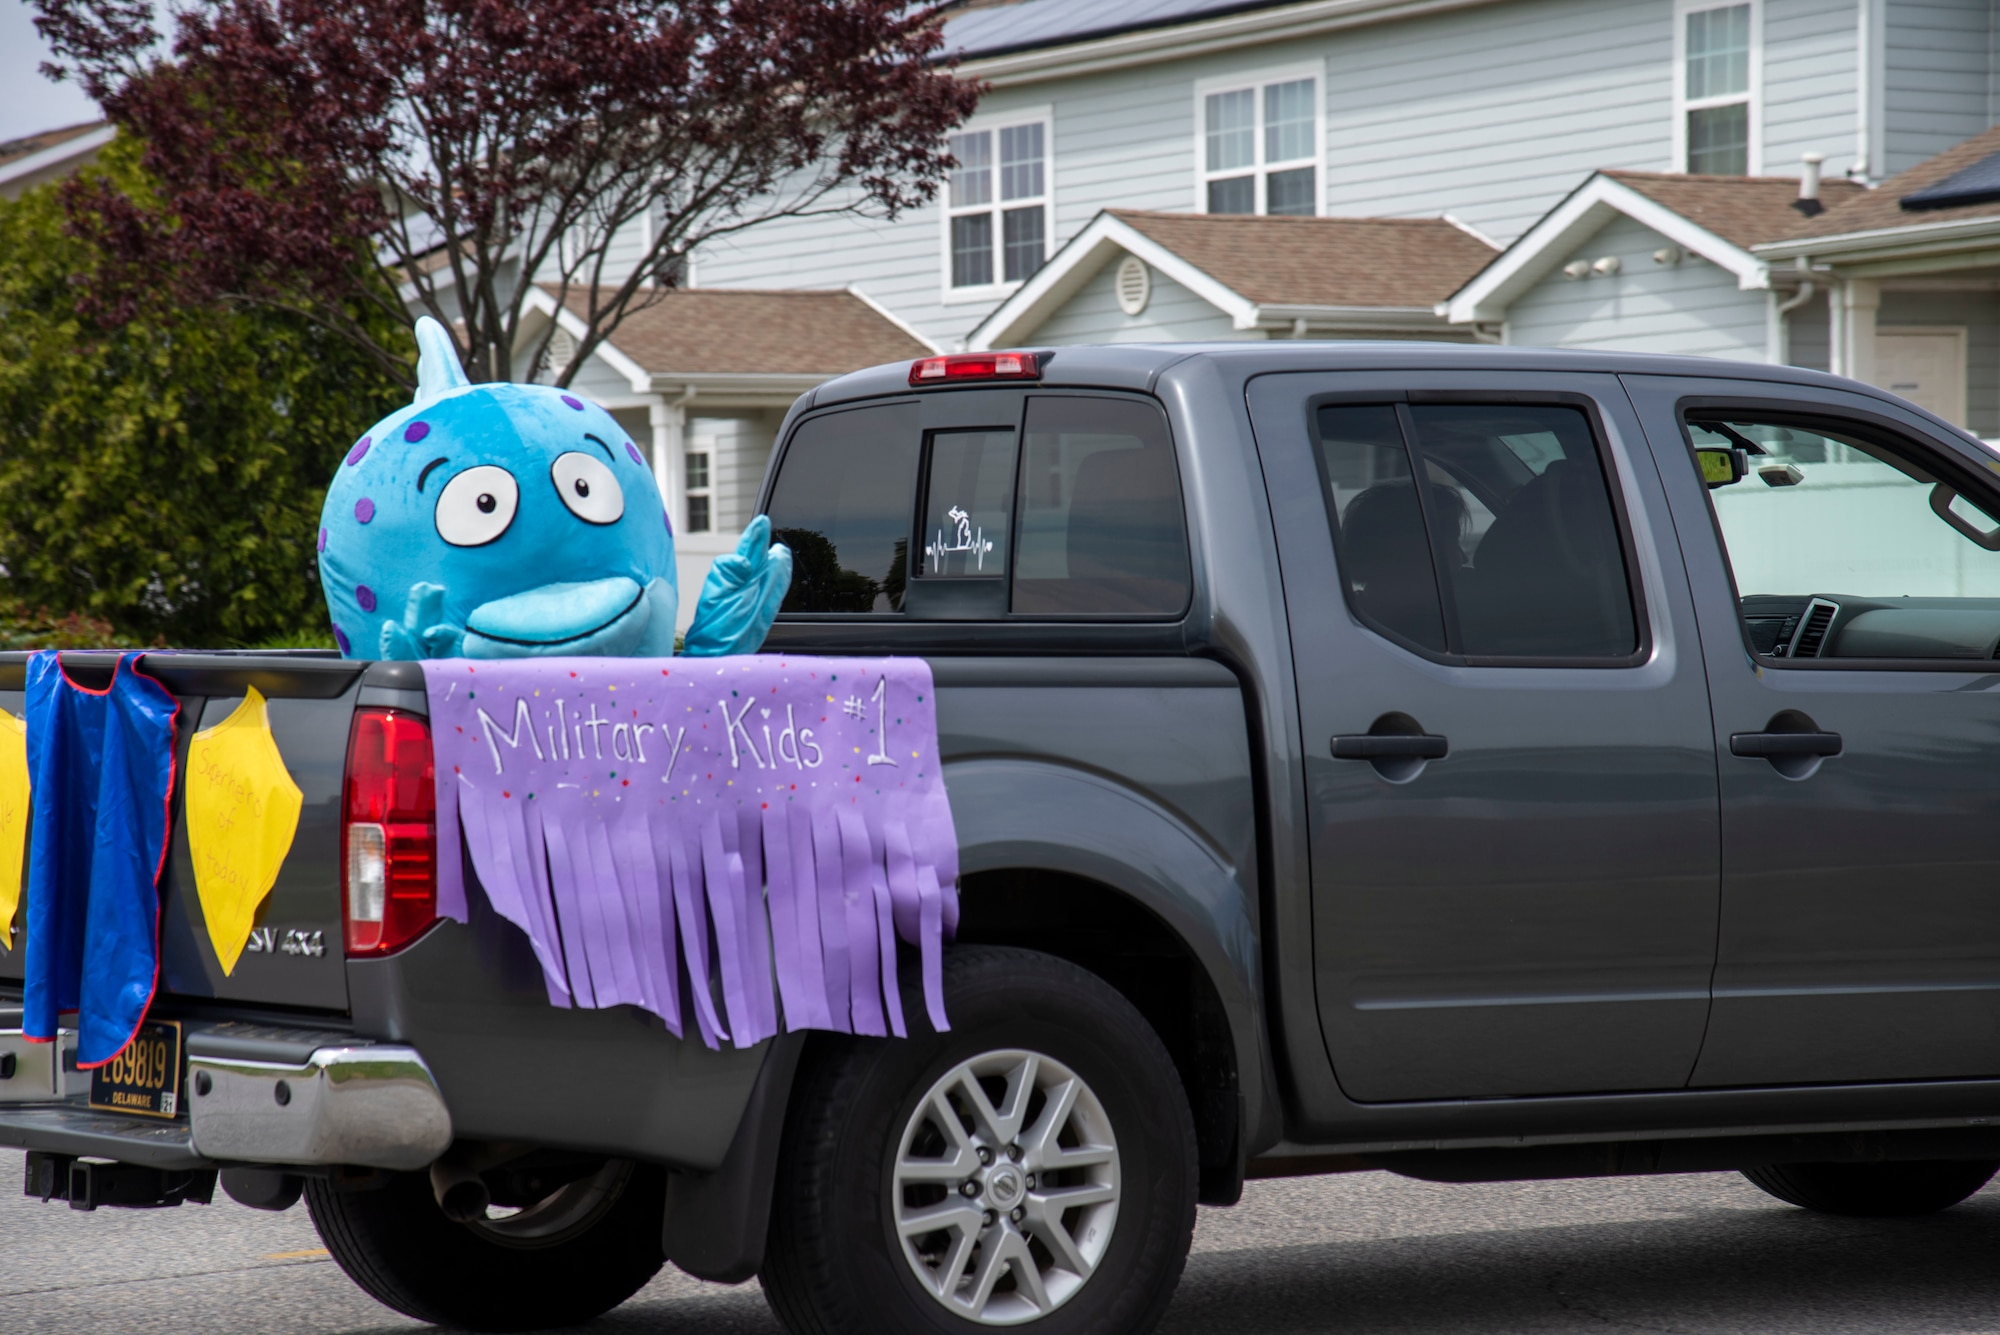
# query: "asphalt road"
[[1368, 1252]]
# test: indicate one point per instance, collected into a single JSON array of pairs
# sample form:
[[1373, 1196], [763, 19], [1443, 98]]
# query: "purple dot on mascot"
[[511, 521]]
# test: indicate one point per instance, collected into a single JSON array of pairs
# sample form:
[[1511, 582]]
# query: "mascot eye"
[[588, 488], [476, 506]]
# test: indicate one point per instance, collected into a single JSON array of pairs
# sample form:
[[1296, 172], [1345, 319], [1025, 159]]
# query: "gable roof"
[[1743, 210], [1364, 272], [1321, 261], [1716, 217], [730, 332]]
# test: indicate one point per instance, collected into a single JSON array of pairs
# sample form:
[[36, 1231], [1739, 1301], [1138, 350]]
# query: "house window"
[[1716, 97], [998, 204], [1259, 149], [698, 494]]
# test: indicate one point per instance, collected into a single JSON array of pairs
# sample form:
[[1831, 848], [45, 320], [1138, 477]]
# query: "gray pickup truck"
[[1475, 763]]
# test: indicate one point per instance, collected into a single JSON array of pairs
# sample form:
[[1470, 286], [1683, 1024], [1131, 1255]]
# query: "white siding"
[[1810, 333], [1494, 114], [1937, 70], [1692, 308], [1491, 113], [596, 380], [738, 448], [1172, 315], [1810, 64], [627, 247]]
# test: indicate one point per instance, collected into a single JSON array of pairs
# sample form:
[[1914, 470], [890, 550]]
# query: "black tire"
[[398, 1245], [1875, 1190], [835, 1265]]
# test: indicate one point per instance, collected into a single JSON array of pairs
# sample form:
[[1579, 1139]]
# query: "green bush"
[[162, 477]]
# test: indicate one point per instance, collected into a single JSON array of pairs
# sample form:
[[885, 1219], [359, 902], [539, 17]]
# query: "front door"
[[1849, 594], [1509, 771]]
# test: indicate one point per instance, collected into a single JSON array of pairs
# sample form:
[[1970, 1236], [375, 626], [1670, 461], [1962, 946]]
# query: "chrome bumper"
[[374, 1106], [367, 1105]]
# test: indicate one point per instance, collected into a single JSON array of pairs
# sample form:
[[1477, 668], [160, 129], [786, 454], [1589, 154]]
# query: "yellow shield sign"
[[242, 811]]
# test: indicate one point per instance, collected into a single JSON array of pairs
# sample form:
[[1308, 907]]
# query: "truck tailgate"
[[294, 957]]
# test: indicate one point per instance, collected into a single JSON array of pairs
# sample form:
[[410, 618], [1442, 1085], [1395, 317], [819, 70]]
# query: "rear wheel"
[[1875, 1189], [1034, 1167], [558, 1259]]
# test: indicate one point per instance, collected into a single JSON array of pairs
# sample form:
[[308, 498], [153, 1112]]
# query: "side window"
[[842, 503], [1379, 536], [1845, 542], [1510, 549], [1102, 531]]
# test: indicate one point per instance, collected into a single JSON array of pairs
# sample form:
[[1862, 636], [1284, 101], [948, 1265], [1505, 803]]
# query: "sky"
[[28, 102]]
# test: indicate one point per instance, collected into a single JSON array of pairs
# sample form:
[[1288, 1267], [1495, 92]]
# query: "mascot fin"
[[438, 371]]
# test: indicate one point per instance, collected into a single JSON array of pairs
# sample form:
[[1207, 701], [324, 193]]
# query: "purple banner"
[[630, 813]]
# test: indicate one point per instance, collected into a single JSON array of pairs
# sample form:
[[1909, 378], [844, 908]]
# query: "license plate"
[[146, 1077]]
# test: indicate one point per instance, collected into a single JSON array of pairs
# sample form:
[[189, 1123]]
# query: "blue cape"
[[102, 768]]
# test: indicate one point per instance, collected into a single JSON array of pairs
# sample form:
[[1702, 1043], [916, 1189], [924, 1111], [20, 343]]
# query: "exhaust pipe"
[[460, 1193], [456, 1181]]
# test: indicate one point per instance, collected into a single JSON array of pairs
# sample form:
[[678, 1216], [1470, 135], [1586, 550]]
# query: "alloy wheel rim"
[[1005, 1187]]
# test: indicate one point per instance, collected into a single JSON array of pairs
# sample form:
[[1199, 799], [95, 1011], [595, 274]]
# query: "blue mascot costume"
[[509, 521]]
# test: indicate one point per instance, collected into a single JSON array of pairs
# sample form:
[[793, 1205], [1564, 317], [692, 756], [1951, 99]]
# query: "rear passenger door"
[[1510, 764]]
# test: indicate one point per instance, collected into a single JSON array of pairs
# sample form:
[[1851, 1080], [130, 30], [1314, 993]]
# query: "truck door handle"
[[1766, 745], [1389, 746]]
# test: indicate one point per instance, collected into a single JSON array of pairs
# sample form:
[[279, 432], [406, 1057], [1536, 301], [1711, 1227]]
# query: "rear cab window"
[[1002, 505]]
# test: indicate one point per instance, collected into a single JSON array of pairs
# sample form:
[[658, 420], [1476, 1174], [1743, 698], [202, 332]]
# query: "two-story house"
[[1582, 172]]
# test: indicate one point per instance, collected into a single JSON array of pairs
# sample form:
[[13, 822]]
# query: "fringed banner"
[[734, 821]]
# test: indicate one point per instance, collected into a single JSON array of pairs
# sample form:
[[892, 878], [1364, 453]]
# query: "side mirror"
[[1721, 466]]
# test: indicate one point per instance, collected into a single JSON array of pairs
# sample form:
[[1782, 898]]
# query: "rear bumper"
[[286, 1097]]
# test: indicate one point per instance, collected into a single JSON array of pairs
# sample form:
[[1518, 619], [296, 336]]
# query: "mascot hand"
[[423, 632], [740, 598]]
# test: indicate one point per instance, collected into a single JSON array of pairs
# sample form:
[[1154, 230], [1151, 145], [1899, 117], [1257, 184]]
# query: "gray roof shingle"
[[1359, 262], [737, 331]]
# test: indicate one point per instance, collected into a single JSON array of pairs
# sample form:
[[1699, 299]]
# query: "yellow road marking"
[[306, 1255]]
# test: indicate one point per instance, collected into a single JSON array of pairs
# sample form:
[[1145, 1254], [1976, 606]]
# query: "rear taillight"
[[960, 366], [388, 832]]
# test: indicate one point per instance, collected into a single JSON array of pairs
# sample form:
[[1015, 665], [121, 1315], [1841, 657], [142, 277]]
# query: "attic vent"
[[562, 347], [1812, 631], [1134, 282]]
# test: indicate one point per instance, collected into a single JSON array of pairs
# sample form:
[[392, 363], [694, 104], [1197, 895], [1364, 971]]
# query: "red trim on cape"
[[166, 841]]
